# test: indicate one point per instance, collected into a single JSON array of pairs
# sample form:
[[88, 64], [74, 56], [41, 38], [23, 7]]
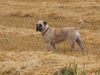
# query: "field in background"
[[22, 48]]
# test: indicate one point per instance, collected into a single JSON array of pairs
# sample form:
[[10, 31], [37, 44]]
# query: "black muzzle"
[[39, 28]]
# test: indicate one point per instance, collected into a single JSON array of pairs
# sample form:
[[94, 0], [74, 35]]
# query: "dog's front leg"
[[53, 46], [50, 46]]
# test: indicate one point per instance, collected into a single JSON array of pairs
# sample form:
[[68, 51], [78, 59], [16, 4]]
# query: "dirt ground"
[[22, 48]]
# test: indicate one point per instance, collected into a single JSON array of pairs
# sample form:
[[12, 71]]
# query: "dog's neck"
[[45, 31]]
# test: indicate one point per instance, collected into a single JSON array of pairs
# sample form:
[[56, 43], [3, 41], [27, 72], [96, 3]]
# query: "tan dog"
[[53, 35]]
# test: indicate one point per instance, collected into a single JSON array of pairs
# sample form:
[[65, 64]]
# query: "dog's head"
[[41, 25]]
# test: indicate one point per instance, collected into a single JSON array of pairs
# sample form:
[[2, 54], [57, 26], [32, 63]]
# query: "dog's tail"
[[81, 23]]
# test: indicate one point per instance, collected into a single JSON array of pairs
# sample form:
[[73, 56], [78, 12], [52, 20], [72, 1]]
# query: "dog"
[[53, 35]]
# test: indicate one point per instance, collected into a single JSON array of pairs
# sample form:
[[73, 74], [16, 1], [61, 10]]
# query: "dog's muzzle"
[[39, 28]]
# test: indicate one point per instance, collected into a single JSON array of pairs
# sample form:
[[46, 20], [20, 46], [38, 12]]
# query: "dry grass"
[[21, 48]]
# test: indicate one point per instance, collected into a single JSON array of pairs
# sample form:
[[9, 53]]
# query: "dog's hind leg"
[[79, 43], [72, 45]]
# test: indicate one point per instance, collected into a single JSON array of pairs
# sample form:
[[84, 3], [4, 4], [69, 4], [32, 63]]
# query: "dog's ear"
[[44, 22]]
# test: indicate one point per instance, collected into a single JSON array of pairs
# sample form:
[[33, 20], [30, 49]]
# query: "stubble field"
[[22, 48]]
